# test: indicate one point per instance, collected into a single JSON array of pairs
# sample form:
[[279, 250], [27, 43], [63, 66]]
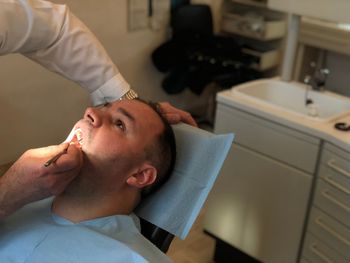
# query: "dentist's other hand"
[[29, 180], [174, 115]]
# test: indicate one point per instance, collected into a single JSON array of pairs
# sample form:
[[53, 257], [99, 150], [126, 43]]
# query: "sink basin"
[[291, 96]]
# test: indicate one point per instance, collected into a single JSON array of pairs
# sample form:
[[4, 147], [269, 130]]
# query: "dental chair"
[[172, 210]]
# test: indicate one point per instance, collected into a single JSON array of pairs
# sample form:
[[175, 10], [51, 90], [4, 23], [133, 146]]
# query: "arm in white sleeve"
[[52, 36]]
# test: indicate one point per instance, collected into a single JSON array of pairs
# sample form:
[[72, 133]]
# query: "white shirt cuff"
[[112, 90]]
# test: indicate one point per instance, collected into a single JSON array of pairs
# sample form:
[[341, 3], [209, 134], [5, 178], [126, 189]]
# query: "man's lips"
[[77, 133]]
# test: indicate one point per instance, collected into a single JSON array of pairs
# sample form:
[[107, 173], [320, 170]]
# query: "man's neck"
[[77, 211], [85, 200]]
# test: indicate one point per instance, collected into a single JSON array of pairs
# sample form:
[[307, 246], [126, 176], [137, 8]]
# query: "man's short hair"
[[162, 153]]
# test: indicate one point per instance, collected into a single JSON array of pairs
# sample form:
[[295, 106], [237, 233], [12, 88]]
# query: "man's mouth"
[[79, 135]]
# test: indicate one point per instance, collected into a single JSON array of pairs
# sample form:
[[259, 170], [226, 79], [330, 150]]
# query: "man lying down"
[[128, 152]]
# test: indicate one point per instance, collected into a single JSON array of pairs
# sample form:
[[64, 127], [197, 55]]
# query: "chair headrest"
[[200, 156]]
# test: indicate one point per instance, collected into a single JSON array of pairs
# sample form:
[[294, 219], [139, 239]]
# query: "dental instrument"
[[55, 158], [74, 138]]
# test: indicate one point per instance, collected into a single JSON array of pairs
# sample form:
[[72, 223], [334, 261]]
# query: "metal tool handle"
[[55, 158]]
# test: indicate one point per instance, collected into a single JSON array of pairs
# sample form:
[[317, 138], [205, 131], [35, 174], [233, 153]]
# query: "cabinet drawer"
[[274, 140], [263, 60], [330, 148], [266, 29], [315, 251], [333, 202], [330, 231], [335, 170]]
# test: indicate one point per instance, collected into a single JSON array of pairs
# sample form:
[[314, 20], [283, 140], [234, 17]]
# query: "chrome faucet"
[[318, 79]]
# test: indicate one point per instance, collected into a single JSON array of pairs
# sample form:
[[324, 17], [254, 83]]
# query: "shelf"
[[240, 25], [251, 3], [258, 29], [263, 60], [325, 35]]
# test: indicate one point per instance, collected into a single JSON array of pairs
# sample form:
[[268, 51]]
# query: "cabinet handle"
[[314, 249], [331, 231], [331, 163], [327, 194], [336, 185]]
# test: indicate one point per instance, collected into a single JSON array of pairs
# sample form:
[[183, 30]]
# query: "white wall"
[[38, 108]]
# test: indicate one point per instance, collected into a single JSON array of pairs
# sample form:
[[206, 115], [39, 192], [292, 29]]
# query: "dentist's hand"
[[174, 115], [29, 180]]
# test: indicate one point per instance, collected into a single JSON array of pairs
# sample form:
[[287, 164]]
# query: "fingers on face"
[[66, 178], [72, 159], [64, 170], [46, 152], [55, 184]]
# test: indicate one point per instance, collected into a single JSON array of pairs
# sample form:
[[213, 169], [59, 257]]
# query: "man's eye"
[[106, 104], [120, 125]]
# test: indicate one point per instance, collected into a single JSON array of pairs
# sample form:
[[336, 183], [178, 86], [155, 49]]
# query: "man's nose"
[[93, 115]]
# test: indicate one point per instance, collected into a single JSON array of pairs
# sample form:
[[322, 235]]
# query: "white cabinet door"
[[268, 138], [258, 205]]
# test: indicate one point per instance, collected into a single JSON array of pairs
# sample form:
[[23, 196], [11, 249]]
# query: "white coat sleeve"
[[52, 36]]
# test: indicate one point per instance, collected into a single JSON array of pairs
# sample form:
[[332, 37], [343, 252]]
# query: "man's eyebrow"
[[126, 113]]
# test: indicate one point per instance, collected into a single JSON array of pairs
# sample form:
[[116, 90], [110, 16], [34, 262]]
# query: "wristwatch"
[[130, 95]]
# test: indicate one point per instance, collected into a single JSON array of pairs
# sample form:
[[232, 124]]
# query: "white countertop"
[[323, 130]]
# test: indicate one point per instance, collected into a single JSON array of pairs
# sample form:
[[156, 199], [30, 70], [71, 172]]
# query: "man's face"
[[115, 135]]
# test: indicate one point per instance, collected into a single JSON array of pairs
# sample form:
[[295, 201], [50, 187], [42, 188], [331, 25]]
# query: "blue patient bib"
[[35, 235]]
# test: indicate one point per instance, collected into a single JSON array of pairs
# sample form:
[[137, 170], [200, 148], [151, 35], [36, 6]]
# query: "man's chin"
[[73, 186]]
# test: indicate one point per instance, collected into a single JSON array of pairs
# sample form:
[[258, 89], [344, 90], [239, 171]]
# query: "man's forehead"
[[138, 110], [130, 105]]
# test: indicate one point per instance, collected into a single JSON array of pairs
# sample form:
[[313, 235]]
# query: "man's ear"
[[144, 176]]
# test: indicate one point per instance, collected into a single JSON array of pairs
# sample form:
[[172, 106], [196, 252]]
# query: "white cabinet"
[[259, 202], [329, 222]]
